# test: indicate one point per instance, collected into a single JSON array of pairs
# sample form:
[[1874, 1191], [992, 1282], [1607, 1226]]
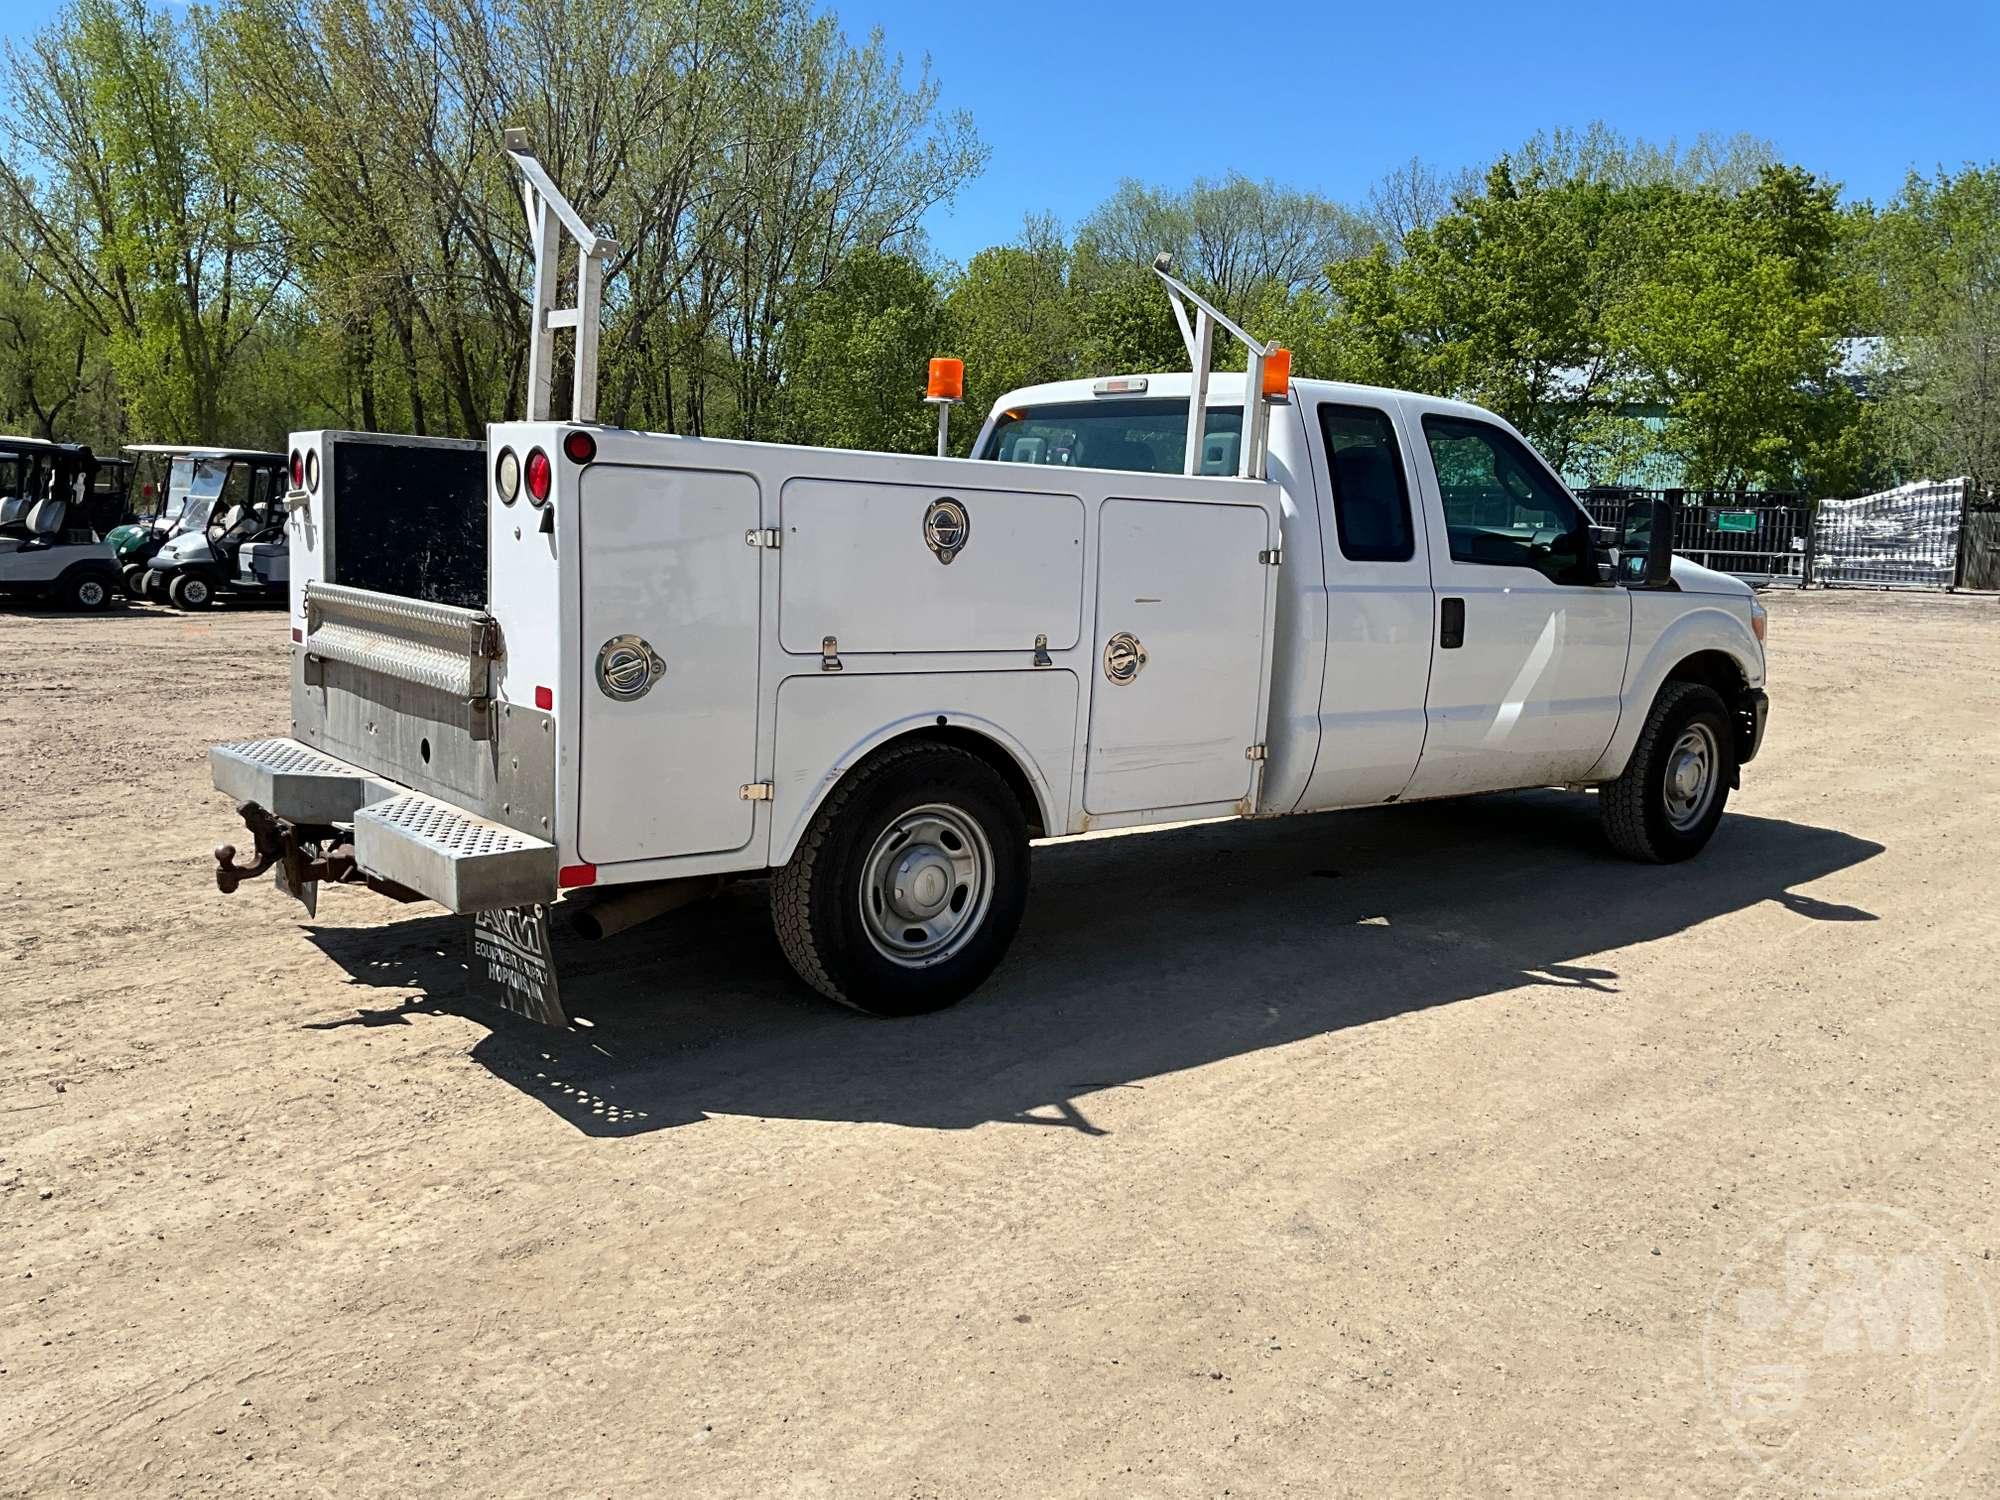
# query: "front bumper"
[[1754, 708], [402, 838]]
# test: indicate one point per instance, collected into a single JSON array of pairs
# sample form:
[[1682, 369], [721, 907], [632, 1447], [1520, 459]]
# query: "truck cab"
[[1448, 619]]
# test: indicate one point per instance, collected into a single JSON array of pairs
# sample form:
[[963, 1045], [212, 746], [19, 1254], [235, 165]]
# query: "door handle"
[[1451, 624]]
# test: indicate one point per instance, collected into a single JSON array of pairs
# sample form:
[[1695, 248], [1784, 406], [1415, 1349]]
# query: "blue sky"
[[1073, 96]]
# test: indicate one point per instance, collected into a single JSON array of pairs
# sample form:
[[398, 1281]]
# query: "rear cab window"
[[1371, 497], [1144, 436]]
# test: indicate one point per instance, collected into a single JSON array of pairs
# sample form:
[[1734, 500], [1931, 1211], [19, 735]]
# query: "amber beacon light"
[[945, 390]]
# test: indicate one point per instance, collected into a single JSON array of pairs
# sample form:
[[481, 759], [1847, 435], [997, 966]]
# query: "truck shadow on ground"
[[1139, 956]]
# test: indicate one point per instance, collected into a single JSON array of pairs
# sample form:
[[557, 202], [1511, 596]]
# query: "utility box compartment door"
[[1182, 584], [902, 567], [663, 560]]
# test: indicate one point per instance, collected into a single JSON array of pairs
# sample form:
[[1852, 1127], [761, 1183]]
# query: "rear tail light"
[[298, 471], [507, 476], [579, 447], [538, 473]]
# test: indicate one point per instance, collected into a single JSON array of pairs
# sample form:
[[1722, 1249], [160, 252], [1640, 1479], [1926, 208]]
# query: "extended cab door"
[[1379, 613], [1529, 653]]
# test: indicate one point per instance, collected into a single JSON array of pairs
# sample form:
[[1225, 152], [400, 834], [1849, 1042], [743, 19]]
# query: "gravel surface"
[[1423, 1151]]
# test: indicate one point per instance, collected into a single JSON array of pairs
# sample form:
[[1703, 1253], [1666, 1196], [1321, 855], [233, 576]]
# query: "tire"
[[190, 591], [1651, 813], [134, 586], [85, 593], [153, 586], [961, 863]]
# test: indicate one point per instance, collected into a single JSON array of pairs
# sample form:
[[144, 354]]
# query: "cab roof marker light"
[[1120, 385]]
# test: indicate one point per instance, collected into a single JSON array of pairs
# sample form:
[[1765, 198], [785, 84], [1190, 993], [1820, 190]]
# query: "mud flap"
[[513, 963]]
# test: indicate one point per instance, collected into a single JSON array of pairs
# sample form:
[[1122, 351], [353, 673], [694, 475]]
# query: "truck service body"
[[601, 658]]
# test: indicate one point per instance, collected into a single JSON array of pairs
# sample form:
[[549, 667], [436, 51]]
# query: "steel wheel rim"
[[926, 885], [1692, 767]]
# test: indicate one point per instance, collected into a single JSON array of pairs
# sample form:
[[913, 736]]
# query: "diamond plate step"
[[461, 862], [292, 780]]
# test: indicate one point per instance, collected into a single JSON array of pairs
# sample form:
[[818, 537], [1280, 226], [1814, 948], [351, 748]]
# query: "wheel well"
[[1718, 669], [991, 751]]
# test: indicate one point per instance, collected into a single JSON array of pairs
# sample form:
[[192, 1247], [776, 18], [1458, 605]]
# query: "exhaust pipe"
[[628, 908]]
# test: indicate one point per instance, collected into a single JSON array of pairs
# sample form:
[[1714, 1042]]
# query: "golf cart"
[[52, 524], [229, 535], [167, 475]]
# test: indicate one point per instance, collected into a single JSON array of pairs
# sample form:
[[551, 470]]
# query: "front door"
[[1528, 660]]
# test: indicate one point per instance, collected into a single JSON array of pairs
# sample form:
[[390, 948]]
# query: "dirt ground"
[[1423, 1151]]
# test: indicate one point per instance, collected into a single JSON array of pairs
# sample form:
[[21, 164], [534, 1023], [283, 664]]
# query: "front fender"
[[1668, 627]]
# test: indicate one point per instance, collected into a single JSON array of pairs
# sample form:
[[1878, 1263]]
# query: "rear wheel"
[[153, 584], [1667, 804], [909, 884], [191, 591]]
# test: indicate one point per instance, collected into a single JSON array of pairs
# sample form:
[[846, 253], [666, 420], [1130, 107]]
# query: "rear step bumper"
[[459, 860]]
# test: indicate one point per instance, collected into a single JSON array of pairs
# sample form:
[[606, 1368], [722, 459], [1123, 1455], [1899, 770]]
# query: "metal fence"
[[1766, 538], [1918, 536]]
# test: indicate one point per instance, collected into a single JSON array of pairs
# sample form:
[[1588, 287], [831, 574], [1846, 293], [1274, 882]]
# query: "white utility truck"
[[649, 663]]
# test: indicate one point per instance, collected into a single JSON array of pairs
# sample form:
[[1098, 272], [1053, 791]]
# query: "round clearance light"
[[539, 473], [579, 447], [298, 471], [507, 476], [312, 471]]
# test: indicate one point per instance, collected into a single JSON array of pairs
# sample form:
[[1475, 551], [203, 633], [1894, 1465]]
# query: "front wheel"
[[190, 591], [1666, 805], [153, 585], [909, 884], [134, 577], [89, 593]]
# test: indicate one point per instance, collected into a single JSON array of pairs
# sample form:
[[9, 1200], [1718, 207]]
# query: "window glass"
[[1143, 436], [1501, 507], [1371, 502]]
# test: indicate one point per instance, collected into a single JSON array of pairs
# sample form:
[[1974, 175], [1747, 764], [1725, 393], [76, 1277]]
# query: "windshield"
[[1143, 436], [192, 490]]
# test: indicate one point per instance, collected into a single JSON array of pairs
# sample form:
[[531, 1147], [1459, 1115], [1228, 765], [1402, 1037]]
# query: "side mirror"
[[1646, 543]]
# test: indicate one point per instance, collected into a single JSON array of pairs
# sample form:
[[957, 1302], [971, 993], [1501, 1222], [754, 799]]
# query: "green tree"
[[1734, 329], [1934, 255], [1012, 316], [1503, 301], [859, 352], [143, 221]]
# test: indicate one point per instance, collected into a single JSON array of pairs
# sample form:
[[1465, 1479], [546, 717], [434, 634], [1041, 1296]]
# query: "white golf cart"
[[221, 529], [53, 517]]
